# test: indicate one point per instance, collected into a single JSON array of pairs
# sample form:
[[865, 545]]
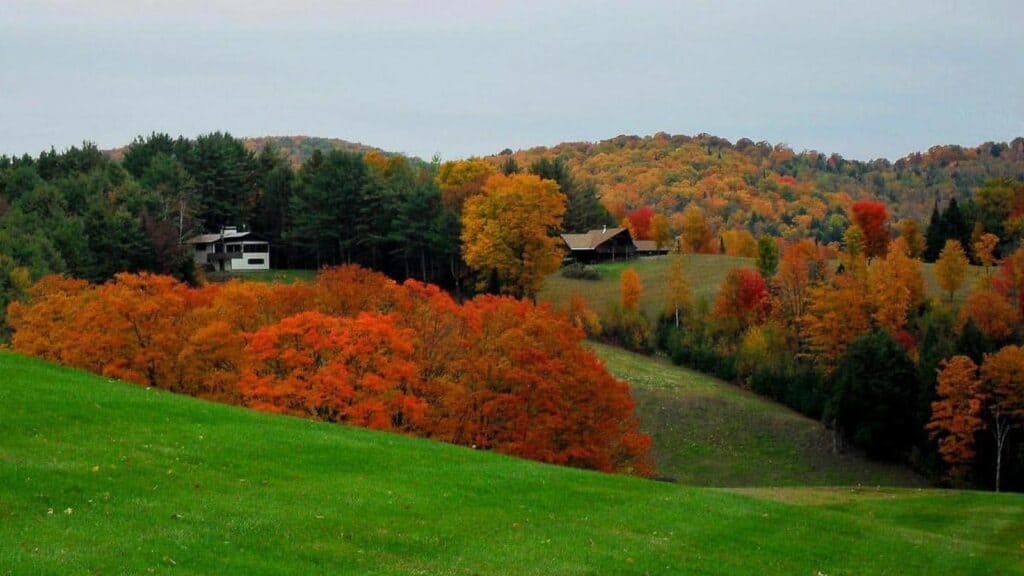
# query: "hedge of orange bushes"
[[351, 347]]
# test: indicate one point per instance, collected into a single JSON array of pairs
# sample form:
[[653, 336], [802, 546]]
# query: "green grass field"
[[705, 272], [710, 433], [284, 276], [100, 477]]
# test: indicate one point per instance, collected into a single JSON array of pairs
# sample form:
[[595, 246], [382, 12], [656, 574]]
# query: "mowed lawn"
[[710, 433], [101, 477], [705, 272]]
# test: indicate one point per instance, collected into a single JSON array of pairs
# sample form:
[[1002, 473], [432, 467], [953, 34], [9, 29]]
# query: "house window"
[[234, 247], [259, 248], [255, 261], [200, 248]]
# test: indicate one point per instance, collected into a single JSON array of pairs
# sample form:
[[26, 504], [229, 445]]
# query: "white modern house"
[[231, 251]]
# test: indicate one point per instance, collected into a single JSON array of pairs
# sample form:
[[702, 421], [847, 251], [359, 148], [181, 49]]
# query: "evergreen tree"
[[326, 205], [224, 172], [873, 396], [583, 210], [956, 225], [935, 236]]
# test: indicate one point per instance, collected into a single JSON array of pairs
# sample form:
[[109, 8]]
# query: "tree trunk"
[[1001, 431]]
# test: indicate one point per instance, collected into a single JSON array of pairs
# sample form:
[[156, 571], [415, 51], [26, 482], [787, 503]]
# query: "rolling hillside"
[[710, 433], [705, 272], [772, 189], [102, 477], [297, 149]]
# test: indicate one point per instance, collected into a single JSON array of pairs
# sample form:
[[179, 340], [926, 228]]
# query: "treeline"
[[771, 190], [354, 347], [79, 213], [937, 383]]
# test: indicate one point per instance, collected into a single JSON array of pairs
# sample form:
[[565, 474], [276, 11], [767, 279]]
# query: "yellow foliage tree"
[[838, 314], [678, 296], [895, 284], [660, 231], [908, 268], [890, 299], [985, 250], [951, 267], [740, 243], [910, 232], [460, 180], [507, 232], [696, 232]]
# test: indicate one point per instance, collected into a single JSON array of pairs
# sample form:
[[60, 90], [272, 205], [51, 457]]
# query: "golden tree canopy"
[[507, 232]]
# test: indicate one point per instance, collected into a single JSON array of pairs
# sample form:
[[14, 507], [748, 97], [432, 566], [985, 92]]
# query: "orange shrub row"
[[351, 347]]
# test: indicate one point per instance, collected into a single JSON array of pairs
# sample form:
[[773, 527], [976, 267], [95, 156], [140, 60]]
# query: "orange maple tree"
[[355, 370], [956, 414], [629, 284]]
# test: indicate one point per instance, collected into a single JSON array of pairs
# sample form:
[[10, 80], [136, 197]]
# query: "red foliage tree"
[[872, 217], [639, 223], [743, 300], [531, 390]]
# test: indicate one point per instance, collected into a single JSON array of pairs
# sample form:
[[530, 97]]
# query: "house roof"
[[648, 246], [226, 235], [592, 239]]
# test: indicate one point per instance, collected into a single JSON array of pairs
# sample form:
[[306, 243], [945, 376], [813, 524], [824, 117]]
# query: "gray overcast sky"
[[865, 79]]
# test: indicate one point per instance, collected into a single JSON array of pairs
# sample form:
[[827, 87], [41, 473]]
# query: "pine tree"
[[935, 235]]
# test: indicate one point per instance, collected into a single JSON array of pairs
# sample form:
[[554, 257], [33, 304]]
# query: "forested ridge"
[[297, 149], [770, 189]]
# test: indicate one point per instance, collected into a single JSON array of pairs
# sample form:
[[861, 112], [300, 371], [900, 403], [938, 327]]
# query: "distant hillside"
[[771, 189], [297, 149]]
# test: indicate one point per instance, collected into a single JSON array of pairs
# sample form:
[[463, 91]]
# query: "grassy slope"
[[710, 433], [705, 273], [284, 276], [157, 483]]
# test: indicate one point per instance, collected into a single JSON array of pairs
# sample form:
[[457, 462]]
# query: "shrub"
[[629, 329], [354, 347], [579, 271]]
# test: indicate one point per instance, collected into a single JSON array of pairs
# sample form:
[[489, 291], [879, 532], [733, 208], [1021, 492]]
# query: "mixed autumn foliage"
[[853, 339], [859, 346], [772, 190], [353, 347]]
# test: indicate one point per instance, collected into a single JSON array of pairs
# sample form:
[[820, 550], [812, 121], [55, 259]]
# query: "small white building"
[[231, 251]]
